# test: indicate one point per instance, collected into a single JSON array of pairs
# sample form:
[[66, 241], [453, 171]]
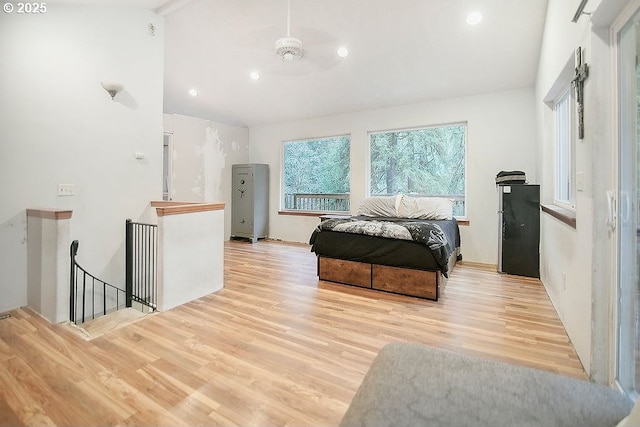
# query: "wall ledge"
[[179, 208], [167, 203], [565, 215], [46, 213]]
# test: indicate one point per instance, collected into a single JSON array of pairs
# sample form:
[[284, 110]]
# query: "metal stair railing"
[[141, 263], [84, 286]]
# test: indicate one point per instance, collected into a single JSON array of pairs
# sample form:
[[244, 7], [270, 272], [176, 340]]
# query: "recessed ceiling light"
[[474, 18], [193, 92], [343, 52], [254, 75]]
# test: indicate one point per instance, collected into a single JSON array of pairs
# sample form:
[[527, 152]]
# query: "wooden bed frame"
[[405, 281]]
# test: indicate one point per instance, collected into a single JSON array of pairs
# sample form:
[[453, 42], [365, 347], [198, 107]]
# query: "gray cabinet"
[[250, 201]]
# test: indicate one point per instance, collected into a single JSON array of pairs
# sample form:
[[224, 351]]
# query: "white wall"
[[58, 125], [576, 264], [49, 268], [565, 252], [501, 136], [203, 153], [190, 257]]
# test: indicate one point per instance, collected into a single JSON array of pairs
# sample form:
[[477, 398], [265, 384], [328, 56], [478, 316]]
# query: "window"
[[564, 150], [428, 161], [316, 175]]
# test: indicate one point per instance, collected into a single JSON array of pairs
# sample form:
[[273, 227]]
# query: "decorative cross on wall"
[[581, 74]]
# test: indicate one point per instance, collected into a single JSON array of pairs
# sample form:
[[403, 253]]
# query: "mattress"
[[383, 250]]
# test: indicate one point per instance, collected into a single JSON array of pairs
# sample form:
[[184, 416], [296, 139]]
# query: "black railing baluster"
[[128, 281], [143, 261], [145, 272], [140, 259], [155, 263], [136, 259], [141, 254], [93, 298], [147, 280], [136, 264], [74, 283], [84, 289], [140, 275]]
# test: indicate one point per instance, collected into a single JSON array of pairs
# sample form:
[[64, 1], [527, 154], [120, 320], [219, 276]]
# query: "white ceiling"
[[401, 52], [136, 4]]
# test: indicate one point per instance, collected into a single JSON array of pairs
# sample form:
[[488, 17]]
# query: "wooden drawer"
[[405, 281], [349, 272]]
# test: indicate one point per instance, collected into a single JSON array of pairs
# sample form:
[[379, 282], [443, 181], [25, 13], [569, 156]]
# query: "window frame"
[[307, 212], [463, 123], [570, 164]]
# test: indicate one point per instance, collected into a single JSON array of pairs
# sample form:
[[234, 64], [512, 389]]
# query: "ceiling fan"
[[289, 48]]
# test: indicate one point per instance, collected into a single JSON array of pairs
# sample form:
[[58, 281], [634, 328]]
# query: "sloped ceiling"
[[400, 52]]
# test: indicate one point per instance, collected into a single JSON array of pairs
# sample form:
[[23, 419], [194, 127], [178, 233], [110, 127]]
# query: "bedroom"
[[59, 129]]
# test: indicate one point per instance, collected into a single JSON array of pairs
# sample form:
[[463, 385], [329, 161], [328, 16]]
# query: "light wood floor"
[[274, 347]]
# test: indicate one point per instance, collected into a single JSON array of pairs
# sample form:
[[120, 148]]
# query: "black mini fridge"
[[519, 230]]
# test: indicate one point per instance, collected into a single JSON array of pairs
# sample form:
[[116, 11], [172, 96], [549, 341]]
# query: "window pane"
[[562, 114], [425, 162], [316, 174]]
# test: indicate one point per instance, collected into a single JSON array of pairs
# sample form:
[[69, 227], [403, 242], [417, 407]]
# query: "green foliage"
[[317, 166], [427, 161]]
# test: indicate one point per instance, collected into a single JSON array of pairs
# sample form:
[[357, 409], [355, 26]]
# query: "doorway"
[[167, 172], [627, 215]]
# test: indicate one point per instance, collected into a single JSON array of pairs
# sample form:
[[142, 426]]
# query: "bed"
[[397, 244]]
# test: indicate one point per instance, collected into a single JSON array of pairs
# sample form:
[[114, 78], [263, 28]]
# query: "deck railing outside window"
[[317, 202], [341, 202]]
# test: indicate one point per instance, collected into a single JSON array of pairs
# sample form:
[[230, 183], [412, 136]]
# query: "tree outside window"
[[316, 174], [428, 161]]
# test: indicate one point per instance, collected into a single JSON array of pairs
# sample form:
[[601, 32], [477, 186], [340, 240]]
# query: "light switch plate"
[[579, 181], [66, 190]]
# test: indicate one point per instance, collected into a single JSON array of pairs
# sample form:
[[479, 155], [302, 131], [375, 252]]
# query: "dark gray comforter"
[[432, 234]]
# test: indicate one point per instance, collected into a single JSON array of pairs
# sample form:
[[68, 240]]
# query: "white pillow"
[[425, 208], [384, 206]]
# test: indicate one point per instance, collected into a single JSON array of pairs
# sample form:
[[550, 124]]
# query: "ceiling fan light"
[[289, 48]]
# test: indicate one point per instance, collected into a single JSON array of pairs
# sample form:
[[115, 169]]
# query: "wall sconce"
[[112, 88]]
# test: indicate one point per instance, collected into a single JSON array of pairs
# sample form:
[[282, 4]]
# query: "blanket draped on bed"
[[423, 232]]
